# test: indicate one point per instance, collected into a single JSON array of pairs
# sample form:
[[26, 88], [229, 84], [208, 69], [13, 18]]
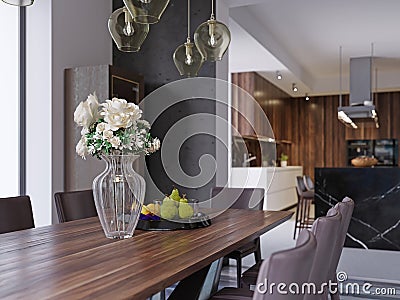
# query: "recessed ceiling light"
[[294, 87], [278, 75], [307, 98]]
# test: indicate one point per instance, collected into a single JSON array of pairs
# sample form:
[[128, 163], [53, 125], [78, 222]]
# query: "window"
[[9, 99]]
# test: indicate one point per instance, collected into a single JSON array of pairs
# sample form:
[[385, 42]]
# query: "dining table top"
[[75, 260]]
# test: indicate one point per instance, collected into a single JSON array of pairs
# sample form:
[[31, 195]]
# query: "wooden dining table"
[[74, 260]]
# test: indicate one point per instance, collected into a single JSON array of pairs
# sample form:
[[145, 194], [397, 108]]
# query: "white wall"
[[223, 143], [61, 34]]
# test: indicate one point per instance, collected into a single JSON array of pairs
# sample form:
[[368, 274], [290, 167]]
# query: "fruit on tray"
[[183, 199], [185, 210], [168, 209], [175, 196], [174, 206], [154, 208], [145, 210], [148, 213]]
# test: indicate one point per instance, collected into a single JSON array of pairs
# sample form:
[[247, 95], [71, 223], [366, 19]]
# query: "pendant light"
[[19, 2], [127, 35], [146, 11], [212, 38], [187, 58]]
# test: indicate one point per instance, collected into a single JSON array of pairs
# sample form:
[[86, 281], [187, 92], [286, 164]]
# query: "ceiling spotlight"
[[294, 87], [278, 75], [307, 98]]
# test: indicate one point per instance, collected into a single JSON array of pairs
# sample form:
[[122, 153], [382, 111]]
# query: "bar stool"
[[304, 200], [309, 184]]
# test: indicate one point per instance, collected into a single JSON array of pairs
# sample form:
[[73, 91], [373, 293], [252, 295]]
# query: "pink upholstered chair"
[[345, 208], [326, 231], [287, 266]]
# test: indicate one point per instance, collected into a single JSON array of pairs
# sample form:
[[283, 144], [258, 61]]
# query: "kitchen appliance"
[[384, 150]]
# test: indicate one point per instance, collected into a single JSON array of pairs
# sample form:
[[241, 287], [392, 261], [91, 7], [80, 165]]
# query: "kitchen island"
[[375, 222]]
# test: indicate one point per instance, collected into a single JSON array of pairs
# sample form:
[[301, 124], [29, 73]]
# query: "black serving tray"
[[166, 225]]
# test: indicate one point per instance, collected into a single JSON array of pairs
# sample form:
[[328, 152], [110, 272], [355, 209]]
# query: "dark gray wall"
[[154, 62]]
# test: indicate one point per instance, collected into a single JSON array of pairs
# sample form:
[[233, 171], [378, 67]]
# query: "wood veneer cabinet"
[[107, 82]]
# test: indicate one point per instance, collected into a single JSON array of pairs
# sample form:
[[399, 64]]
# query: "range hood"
[[361, 108]]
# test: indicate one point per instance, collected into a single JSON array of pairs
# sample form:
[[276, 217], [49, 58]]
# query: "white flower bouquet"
[[113, 127]]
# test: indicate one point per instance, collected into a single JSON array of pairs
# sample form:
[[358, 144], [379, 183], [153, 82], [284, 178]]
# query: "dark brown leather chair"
[[15, 214], [241, 198], [287, 266], [75, 205]]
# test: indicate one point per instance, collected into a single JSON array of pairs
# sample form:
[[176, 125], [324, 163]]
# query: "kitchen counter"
[[279, 183], [376, 192]]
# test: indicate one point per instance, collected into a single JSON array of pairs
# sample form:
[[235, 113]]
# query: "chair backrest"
[[300, 187], [75, 205], [241, 198], [309, 184], [15, 214], [326, 231], [290, 267], [345, 208]]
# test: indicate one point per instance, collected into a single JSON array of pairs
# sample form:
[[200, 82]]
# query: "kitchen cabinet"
[[279, 184]]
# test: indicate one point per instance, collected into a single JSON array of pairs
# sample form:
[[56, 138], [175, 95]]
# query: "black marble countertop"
[[376, 192]]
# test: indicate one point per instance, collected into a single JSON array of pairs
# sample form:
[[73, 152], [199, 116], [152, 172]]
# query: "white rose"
[[81, 148], [115, 141], [87, 112], [108, 134], [155, 145], [84, 131], [144, 123], [139, 144], [118, 113], [102, 127]]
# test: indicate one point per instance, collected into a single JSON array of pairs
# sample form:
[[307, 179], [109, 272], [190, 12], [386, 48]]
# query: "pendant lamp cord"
[[212, 9], [340, 76], [188, 18]]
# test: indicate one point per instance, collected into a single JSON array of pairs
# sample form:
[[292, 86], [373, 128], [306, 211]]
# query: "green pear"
[[185, 210]]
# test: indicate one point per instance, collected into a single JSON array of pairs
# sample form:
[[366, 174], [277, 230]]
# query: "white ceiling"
[[304, 37]]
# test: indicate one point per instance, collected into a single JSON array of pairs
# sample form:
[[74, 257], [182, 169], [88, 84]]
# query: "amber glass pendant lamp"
[[19, 2], [127, 34], [212, 38], [187, 58], [146, 11]]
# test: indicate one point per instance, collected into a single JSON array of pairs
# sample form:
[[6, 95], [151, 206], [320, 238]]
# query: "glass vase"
[[119, 194]]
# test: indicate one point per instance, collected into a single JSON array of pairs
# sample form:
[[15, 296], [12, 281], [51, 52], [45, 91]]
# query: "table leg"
[[199, 285]]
